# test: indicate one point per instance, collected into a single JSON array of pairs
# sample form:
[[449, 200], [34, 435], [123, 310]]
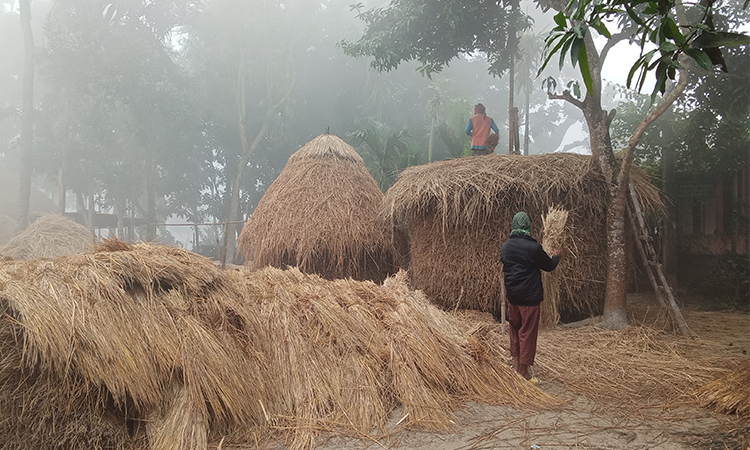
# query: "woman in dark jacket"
[[522, 258]]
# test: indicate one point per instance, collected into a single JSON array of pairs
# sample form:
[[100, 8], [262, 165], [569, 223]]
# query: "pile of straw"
[[321, 215], [51, 235], [729, 394], [458, 213], [553, 230], [8, 228], [160, 342]]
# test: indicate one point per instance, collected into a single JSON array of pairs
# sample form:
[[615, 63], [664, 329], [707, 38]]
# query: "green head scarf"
[[521, 224]]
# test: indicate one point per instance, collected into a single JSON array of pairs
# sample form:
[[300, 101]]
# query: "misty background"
[[141, 107]]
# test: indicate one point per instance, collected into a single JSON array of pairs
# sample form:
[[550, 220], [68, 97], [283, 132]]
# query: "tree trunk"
[[247, 151], [526, 124], [150, 197], [432, 135], [512, 126], [668, 177], [27, 115]]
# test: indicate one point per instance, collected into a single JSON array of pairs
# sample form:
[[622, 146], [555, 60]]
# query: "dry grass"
[[458, 213], [555, 236], [639, 367], [161, 336], [321, 215], [51, 235], [729, 394]]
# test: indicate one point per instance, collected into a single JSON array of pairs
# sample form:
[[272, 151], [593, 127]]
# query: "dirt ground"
[[582, 423]]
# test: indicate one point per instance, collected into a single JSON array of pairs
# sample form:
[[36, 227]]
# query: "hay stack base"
[[154, 335]]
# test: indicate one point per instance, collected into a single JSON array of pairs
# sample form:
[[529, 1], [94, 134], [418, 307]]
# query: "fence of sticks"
[[144, 346], [458, 213]]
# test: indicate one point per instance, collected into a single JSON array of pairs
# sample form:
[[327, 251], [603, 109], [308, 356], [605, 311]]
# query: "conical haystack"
[[147, 346], [322, 215], [458, 214], [51, 235]]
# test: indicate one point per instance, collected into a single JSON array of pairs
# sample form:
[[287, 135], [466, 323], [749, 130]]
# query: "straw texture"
[[458, 213], [49, 236], [553, 230], [321, 215], [146, 346], [729, 394], [638, 367]]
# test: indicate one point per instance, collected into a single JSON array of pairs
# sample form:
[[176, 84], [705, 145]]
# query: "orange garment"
[[481, 125]]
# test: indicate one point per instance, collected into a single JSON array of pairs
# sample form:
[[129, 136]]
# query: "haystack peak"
[[327, 146]]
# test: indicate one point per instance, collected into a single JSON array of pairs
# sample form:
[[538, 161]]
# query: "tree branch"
[[567, 97], [614, 40]]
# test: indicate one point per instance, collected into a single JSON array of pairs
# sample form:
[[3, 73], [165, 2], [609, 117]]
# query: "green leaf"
[[668, 47], [564, 51], [554, 50], [661, 80], [672, 31], [602, 29], [575, 50], [586, 71], [579, 30], [561, 20], [651, 9], [577, 90], [633, 69], [700, 57], [721, 39], [634, 15]]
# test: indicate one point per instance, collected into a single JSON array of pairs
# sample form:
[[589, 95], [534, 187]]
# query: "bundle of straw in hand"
[[553, 232]]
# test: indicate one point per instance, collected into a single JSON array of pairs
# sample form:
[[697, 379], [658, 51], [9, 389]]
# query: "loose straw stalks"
[[553, 229]]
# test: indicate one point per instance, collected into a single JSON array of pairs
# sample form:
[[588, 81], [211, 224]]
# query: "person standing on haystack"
[[522, 258], [478, 128]]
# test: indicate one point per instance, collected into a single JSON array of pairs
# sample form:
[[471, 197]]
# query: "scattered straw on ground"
[[186, 353], [638, 367], [51, 235], [729, 394]]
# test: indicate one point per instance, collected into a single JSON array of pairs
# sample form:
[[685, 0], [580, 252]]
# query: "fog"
[[143, 109]]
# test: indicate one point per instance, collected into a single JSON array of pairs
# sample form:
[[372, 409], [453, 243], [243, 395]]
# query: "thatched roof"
[[195, 354], [51, 235], [458, 215], [466, 191], [322, 215]]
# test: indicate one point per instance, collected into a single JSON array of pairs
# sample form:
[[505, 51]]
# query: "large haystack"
[[51, 235], [147, 346], [322, 215], [458, 214]]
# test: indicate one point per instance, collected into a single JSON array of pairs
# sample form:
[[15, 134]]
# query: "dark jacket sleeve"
[[544, 262]]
